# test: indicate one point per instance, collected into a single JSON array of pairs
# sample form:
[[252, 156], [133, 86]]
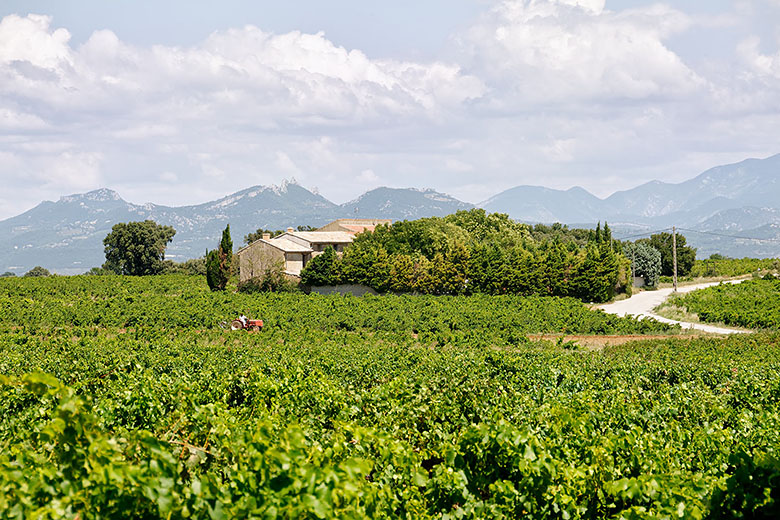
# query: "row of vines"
[[372, 419], [753, 304]]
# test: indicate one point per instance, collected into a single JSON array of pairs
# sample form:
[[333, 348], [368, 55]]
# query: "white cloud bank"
[[555, 92], [571, 51]]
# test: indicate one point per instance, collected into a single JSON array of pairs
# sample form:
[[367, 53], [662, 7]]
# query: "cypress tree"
[[218, 263], [212, 269]]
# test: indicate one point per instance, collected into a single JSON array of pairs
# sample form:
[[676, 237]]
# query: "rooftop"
[[322, 237], [288, 246]]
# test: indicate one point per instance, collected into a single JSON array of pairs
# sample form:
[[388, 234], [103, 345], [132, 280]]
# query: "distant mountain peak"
[[99, 195], [740, 198]]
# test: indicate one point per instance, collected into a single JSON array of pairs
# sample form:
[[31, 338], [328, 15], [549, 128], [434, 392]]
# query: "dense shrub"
[[323, 269], [271, 279], [476, 252]]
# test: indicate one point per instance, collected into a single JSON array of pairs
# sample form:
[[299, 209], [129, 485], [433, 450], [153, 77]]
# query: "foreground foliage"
[[356, 425], [391, 407]]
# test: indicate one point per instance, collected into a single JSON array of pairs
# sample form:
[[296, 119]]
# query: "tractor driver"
[[242, 319]]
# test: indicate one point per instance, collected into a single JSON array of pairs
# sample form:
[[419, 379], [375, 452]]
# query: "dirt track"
[[641, 305], [597, 342]]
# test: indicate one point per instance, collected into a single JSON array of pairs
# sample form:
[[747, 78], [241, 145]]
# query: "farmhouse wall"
[[254, 260], [294, 263]]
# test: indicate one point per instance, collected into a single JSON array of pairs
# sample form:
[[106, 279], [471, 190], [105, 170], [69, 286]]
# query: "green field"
[[122, 398], [733, 266], [752, 304]]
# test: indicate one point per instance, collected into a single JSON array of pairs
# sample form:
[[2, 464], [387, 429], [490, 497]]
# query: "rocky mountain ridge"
[[741, 199]]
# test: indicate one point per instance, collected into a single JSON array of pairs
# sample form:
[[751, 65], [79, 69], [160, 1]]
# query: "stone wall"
[[256, 258]]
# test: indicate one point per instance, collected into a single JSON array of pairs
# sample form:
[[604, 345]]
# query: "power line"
[[643, 234], [737, 237], [730, 236]]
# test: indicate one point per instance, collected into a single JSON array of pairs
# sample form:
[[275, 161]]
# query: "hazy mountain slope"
[[753, 182], [66, 236], [538, 204], [402, 204], [72, 228]]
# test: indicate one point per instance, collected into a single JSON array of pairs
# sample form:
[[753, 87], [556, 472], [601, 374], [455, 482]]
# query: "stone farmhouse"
[[292, 250]]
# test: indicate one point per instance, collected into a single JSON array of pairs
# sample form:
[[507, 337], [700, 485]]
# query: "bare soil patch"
[[593, 342]]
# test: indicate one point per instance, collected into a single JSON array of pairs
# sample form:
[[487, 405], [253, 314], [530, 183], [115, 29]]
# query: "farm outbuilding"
[[292, 250]]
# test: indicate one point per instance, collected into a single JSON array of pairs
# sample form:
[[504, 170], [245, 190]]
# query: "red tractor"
[[238, 324]]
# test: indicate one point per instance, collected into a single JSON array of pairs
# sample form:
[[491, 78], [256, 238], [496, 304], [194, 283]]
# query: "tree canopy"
[[646, 260], [38, 271], [476, 252], [686, 256], [137, 248], [219, 261], [322, 269]]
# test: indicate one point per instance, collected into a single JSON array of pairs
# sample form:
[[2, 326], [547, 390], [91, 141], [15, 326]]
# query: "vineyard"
[[122, 398], [753, 304], [733, 266]]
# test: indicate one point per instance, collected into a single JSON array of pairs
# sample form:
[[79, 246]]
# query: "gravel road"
[[641, 305]]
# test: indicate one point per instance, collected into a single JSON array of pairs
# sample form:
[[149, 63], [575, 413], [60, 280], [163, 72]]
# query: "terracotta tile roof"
[[354, 228]]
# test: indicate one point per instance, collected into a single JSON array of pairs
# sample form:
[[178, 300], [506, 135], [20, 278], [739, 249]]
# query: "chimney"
[[266, 236], [290, 230]]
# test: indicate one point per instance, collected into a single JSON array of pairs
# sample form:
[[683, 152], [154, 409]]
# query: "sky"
[[183, 102]]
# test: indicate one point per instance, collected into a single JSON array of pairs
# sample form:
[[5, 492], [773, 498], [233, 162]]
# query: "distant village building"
[[292, 250]]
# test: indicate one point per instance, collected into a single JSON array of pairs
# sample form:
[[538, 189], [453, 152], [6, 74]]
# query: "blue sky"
[[180, 102]]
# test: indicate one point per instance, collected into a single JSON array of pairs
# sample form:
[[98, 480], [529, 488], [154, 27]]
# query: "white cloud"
[[536, 51], [169, 177], [12, 120], [368, 177], [29, 39], [553, 92], [456, 165], [218, 108], [763, 65], [285, 163]]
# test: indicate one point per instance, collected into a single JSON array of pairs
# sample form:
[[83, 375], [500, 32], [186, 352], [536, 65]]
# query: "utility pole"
[[674, 255]]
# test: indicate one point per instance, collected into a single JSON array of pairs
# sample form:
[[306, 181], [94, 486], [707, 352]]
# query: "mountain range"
[[736, 200]]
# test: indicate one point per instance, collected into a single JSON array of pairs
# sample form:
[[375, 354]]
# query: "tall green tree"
[[218, 263], [137, 248], [38, 271], [322, 269], [686, 256], [367, 264], [646, 261]]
